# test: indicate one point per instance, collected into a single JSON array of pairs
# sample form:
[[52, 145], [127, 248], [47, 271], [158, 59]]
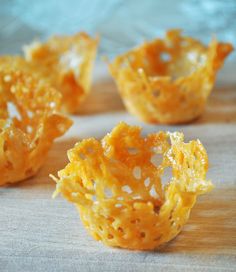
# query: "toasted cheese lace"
[[66, 61], [117, 185], [29, 121], [169, 80]]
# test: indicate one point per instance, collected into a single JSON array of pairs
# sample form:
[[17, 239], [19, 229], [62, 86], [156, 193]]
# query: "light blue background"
[[121, 23]]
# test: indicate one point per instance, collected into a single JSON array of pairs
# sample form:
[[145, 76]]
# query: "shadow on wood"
[[57, 157], [104, 97], [55, 161], [211, 227], [221, 106]]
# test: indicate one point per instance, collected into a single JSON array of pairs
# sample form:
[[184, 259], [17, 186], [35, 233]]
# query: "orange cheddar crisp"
[[29, 120], [117, 185], [67, 62], [169, 80]]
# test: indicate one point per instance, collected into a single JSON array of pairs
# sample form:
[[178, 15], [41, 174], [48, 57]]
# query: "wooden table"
[[38, 233]]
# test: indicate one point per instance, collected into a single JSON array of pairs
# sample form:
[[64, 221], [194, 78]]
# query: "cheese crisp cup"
[[29, 120], [116, 185], [66, 62], [169, 80]]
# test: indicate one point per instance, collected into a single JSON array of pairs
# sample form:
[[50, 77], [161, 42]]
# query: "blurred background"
[[121, 24]]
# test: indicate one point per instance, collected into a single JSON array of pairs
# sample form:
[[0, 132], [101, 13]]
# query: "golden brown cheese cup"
[[116, 185], [67, 62], [29, 120], [169, 80]]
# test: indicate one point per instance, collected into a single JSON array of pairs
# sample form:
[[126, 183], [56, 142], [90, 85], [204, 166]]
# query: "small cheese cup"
[[29, 120], [116, 185], [168, 80], [67, 62]]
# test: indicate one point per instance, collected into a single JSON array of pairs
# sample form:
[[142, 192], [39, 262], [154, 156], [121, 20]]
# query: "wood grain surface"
[[38, 233]]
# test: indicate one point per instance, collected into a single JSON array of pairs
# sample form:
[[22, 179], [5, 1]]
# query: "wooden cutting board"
[[38, 233]]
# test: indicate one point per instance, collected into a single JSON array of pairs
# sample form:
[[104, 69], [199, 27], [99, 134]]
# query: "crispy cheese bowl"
[[116, 185], [169, 80], [29, 120], [66, 62]]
